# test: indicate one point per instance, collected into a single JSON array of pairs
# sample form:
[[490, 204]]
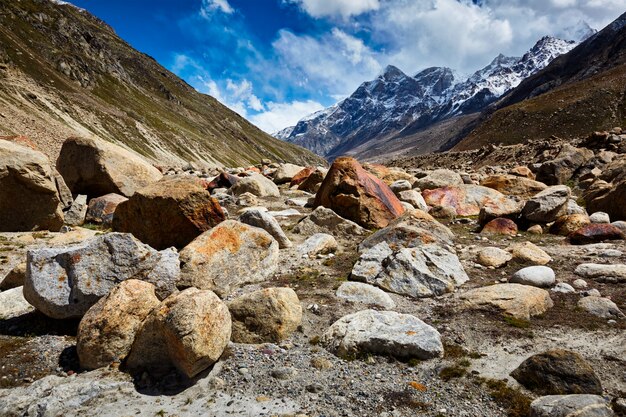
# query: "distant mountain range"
[[64, 72], [395, 105]]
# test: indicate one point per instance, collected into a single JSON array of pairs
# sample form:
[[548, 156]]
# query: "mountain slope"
[[64, 72], [580, 91], [398, 109]]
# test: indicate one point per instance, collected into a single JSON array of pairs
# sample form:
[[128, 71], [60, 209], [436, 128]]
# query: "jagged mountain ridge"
[[394, 104], [64, 72]]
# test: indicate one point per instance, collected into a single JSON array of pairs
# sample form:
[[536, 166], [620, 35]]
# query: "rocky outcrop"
[[383, 333], [66, 282], [172, 212], [266, 316], [188, 330], [228, 256], [107, 331], [29, 195], [355, 194], [95, 168]]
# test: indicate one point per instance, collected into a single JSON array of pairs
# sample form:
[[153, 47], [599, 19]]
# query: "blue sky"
[[275, 61]]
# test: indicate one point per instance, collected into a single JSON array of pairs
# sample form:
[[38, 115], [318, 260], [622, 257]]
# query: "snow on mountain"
[[395, 100]]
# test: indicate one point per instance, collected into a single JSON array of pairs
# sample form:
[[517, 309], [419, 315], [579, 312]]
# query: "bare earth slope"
[[64, 72]]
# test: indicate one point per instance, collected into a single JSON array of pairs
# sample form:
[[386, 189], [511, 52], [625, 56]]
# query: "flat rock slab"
[[65, 282], [358, 292], [576, 405], [519, 301], [602, 273], [383, 333]]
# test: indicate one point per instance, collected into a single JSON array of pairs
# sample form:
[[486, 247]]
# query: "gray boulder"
[[546, 206], [358, 292], [13, 304], [258, 218], [75, 216], [425, 271], [318, 244], [65, 282], [324, 220], [600, 307], [438, 179], [256, 184], [383, 333]]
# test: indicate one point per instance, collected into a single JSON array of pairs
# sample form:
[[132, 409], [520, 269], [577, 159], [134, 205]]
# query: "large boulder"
[[519, 301], [301, 176], [95, 168], [188, 330], [602, 272], [324, 220], [102, 209], [558, 372], [228, 256], [546, 206], [13, 304], [267, 222], [313, 181], [574, 405], [439, 178], [514, 185], [423, 271], [565, 225], [413, 229], [172, 212], [29, 190], [355, 194], [107, 331], [65, 282], [383, 333], [265, 316], [468, 200], [256, 184]]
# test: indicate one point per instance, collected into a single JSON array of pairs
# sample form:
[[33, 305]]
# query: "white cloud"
[[335, 62], [209, 7], [333, 8], [281, 115]]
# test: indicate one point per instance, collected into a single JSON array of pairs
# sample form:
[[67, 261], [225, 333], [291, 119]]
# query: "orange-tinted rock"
[[356, 195], [514, 185], [468, 200], [388, 175], [501, 226], [565, 225], [522, 171], [312, 183], [594, 233], [21, 140], [101, 209], [301, 176], [171, 212]]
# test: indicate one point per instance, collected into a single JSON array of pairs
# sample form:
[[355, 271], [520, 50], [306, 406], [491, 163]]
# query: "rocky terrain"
[[494, 287], [64, 72]]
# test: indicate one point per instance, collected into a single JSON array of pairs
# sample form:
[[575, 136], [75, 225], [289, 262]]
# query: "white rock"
[[414, 198], [492, 256], [600, 217], [319, 243], [400, 186], [576, 405], [563, 287], [357, 292], [13, 304], [536, 276], [265, 221], [256, 184], [384, 333]]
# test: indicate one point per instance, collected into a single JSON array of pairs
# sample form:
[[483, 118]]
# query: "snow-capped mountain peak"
[[394, 100]]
